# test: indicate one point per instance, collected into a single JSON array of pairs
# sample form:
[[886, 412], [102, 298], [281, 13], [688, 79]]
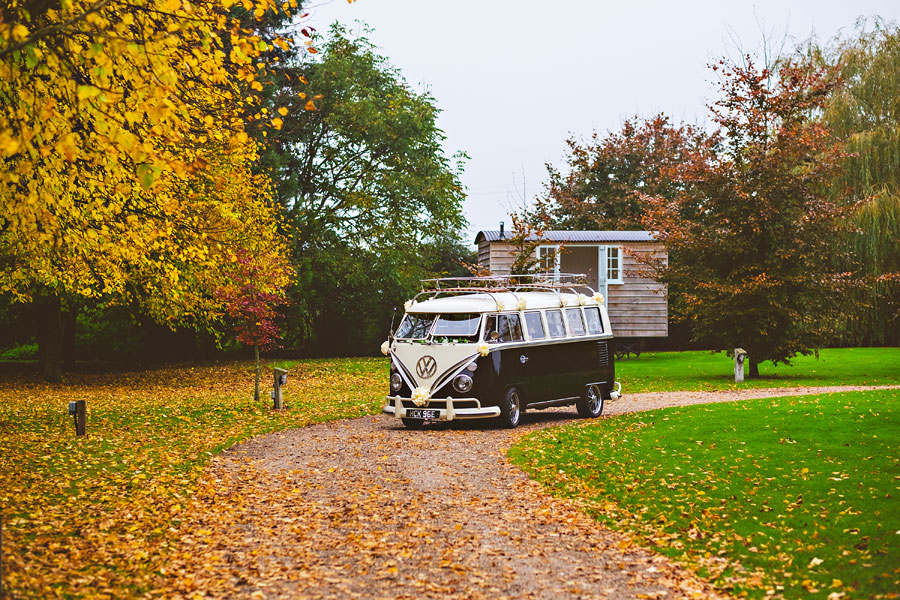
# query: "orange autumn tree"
[[602, 183], [753, 226], [125, 168], [252, 297]]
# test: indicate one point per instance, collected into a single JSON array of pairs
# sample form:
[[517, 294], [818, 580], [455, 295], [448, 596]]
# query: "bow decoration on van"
[[420, 396], [385, 348]]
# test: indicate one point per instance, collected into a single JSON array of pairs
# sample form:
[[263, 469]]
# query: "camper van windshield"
[[457, 325], [414, 327]]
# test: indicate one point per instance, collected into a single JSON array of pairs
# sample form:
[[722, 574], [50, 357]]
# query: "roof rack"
[[557, 283]]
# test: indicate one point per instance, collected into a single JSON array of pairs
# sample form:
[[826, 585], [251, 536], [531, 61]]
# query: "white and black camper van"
[[491, 347]]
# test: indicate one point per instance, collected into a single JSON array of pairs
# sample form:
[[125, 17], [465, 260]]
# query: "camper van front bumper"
[[445, 409]]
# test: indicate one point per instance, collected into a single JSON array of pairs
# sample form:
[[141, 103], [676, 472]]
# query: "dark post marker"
[[280, 380], [78, 409], [80, 417]]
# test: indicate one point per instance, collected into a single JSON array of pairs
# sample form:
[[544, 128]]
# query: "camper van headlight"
[[462, 383], [396, 382]]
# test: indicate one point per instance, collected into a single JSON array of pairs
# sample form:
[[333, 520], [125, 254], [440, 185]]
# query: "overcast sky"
[[515, 79]]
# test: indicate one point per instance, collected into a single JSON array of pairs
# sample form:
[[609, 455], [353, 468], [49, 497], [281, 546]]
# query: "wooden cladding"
[[637, 307]]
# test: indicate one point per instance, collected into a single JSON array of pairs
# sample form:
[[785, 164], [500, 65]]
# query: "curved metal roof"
[[493, 235]]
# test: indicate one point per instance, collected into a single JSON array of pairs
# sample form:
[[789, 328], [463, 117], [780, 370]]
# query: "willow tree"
[[865, 111], [125, 171]]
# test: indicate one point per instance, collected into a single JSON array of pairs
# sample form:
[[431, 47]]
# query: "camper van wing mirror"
[[391, 330]]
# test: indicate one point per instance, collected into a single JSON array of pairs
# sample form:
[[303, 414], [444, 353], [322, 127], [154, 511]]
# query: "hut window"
[[548, 258], [613, 264]]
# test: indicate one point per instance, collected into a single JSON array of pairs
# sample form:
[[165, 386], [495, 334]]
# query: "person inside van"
[[503, 328]]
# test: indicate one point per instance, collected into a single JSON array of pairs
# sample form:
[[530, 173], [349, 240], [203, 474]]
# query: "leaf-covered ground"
[[702, 370], [367, 509], [97, 516], [793, 497]]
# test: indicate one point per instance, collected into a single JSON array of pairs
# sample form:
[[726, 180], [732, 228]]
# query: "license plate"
[[422, 414]]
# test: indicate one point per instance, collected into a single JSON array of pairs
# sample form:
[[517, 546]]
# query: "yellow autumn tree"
[[126, 171]]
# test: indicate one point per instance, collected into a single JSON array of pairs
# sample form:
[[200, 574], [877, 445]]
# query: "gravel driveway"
[[365, 508]]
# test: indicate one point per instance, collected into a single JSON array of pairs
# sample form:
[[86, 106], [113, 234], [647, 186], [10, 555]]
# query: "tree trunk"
[[256, 388], [69, 320], [754, 367], [50, 337]]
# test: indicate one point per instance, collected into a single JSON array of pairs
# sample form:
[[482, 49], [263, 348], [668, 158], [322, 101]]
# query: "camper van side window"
[[594, 324], [555, 324], [507, 327], [534, 325], [510, 328], [576, 323], [490, 327]]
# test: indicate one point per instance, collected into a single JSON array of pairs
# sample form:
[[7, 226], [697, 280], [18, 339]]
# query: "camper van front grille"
[[602, 354]]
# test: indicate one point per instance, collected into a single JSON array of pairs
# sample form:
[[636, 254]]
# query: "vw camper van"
[[492, 347]]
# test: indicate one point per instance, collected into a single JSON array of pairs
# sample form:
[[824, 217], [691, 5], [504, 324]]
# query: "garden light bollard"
[[280, 380], [78, 409], [740, 355]]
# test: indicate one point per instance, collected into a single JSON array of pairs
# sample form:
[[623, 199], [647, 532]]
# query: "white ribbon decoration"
[[420, 396]]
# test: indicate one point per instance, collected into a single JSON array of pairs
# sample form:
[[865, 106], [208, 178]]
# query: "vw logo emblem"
[[426, 366]]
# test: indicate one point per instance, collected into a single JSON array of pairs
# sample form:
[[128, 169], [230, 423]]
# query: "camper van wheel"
[[510, 408], [412, 423], [590, 404]]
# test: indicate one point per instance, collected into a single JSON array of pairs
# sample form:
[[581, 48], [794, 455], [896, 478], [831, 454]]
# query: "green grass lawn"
[[95, 516], [702, 370], [792, 497]]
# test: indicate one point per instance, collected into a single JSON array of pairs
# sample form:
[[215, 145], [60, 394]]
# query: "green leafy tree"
[[367, 194], [753, 224]]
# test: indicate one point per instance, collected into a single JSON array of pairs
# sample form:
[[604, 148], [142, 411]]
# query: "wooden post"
[[80, 417], [280, 375]]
